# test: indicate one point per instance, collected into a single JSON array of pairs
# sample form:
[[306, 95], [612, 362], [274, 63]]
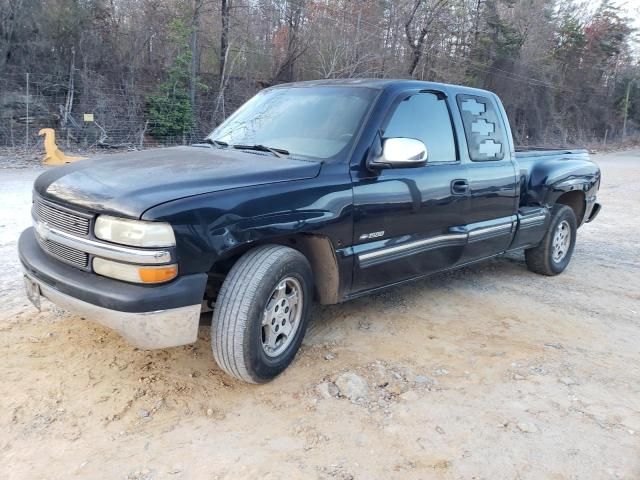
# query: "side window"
[[425, 116], [482, 128]]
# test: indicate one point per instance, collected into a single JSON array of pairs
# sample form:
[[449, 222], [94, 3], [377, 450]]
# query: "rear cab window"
[[483, 128]]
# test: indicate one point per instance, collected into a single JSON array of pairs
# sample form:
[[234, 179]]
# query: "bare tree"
[[561, 68], [195, 57], [416, 28], [225, 13], [291, 35]]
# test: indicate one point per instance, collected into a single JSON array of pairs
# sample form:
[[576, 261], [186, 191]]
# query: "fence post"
[[27, 129], [626, 109]]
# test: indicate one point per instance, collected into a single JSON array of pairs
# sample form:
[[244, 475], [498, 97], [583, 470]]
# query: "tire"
[[247, 344], [550, 258]]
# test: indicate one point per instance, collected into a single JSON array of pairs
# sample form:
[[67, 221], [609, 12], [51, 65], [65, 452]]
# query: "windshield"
[[313, 122]]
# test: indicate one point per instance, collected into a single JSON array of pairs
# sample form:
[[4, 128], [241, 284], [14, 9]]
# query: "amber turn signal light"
[[134, 273], [157, 274]]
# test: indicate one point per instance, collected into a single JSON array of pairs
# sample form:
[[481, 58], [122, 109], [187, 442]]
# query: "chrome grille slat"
[[67, 254], [66, 235], [65, 251], [65, 221]]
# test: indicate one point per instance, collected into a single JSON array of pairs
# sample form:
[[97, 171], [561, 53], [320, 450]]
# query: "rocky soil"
[[490, 372]]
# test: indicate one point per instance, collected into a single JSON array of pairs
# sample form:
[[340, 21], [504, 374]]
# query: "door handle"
[[460, 187]]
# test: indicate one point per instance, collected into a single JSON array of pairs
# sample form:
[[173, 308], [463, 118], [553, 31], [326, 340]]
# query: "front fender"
[[226, 241], [212, 227]]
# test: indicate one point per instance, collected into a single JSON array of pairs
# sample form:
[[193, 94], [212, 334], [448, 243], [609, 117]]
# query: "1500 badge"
[[369, 236]]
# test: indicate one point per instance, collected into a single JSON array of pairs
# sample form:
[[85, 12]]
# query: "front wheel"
[[553, 254], [261, 313]]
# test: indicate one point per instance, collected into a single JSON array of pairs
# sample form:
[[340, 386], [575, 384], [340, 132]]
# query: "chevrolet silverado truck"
[[314, 191]]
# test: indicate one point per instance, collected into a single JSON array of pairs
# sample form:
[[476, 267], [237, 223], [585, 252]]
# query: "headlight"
[[134, 273], [137, 233]]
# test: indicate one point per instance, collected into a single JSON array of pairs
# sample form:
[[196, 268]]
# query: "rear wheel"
[[261, 313], [553, 254]]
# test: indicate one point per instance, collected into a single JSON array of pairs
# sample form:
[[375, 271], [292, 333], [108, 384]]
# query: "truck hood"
[[127, 184]]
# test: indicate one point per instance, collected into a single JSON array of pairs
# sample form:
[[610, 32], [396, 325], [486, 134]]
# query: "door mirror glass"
[[400, 153]]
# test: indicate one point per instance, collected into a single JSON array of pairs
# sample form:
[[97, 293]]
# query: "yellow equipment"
[[53, 155]]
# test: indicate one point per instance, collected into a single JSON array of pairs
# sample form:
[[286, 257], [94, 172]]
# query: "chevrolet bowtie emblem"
[[43, 230]]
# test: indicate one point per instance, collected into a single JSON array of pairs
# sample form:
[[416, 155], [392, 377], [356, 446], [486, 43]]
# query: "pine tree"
[[170, 108]]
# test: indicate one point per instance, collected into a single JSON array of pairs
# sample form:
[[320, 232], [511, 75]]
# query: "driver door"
[[403, 217]]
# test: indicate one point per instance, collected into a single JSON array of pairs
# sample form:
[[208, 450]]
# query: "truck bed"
[[524, 153], [552, 167]]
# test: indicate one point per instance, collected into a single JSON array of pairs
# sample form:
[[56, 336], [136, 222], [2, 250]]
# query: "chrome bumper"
[[146, 330]]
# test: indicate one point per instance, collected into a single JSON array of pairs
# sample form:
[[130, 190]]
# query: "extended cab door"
[[491, 219], [403, 217]]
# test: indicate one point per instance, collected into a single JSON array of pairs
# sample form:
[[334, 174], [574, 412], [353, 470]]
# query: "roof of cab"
[[383, 84]]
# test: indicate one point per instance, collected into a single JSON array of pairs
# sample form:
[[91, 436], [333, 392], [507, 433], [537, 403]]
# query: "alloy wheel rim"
[[281, 316], [561, 241]]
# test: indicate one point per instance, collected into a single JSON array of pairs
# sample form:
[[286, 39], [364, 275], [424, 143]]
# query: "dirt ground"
[[491, 372]]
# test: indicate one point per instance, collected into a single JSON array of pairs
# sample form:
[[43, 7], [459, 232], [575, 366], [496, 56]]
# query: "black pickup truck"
[[314, 191]]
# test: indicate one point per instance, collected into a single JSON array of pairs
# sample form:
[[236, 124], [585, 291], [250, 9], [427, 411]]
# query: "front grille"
[[61, 219], [66, 254]]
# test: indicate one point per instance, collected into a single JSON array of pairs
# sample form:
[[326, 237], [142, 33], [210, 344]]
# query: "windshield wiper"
[[278, 152], [216, 143]]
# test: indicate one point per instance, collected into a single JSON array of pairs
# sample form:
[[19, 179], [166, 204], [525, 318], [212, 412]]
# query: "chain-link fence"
[[89, 113], [86, 112]]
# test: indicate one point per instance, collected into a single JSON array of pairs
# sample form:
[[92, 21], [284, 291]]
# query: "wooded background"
[[156, 72]]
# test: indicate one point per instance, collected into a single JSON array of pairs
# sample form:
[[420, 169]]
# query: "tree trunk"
[[225, 7], [285, 72], [195, 58], [417, 44]]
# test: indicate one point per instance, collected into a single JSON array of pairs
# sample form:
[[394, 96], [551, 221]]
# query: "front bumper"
[[148, 317]]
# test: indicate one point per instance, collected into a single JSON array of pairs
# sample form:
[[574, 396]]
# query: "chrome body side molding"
[[393, 252], [484, 233], [534, 221], [380, 252]]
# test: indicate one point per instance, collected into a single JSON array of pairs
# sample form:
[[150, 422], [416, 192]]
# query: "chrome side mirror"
[[400, 153]]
